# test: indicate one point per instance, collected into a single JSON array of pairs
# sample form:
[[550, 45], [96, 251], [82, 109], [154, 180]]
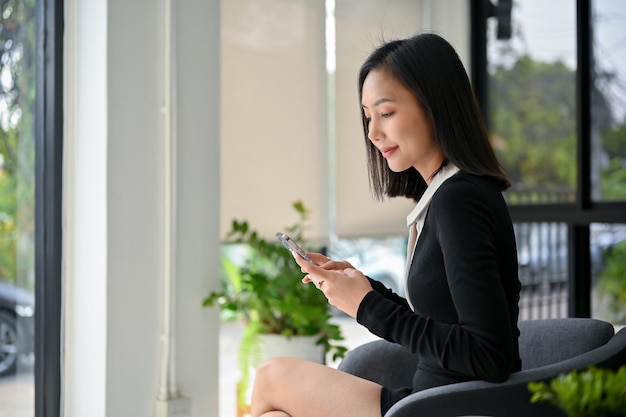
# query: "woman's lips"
[[388, 151]]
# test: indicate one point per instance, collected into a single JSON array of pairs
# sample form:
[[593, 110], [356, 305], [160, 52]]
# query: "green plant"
[[594, 392], [266, 292]]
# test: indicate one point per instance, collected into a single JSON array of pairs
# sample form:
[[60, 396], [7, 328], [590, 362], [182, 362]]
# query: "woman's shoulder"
[[463, 186], [464, 180]]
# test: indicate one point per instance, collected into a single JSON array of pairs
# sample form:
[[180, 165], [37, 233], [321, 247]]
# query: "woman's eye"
[[386, 115]]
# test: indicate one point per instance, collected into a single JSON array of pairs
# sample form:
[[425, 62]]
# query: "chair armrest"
[[383, 362], [474, 398]]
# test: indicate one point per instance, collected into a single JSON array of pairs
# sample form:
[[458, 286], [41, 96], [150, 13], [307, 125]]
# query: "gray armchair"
[[548, 348]]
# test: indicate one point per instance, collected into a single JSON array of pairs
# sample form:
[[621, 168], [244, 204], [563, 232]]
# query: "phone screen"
[[291, 244]]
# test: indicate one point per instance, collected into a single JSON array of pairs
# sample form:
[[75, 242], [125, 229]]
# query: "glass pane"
[[608, 255], [17, 105], [542, 256], [532, 100], [608, 115]]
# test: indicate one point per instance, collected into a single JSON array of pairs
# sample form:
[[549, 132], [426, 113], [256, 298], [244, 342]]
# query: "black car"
[[17, 310]]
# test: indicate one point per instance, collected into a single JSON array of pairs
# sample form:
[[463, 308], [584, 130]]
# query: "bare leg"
[[289, 387]]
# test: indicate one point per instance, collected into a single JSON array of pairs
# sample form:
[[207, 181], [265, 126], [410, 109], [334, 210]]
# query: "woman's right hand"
[[343, 286]]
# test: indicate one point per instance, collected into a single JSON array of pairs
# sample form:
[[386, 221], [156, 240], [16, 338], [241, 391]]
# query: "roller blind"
[[273, 114]]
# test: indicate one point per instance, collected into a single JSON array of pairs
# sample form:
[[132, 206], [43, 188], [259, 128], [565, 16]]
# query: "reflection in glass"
[[608, 117], [608, 245], [532, 101], [17, 202]]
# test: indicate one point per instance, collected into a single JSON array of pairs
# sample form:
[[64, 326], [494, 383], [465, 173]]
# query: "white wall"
[[114, 207]]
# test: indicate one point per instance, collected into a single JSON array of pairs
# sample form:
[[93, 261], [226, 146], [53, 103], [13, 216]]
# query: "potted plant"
[[265, 291], [594, 392]]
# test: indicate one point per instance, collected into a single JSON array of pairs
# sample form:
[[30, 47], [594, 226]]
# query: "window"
[[17, 206], [30, 163], [552, 96], [532, 101]]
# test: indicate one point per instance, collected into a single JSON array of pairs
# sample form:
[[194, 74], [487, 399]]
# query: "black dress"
[[464, 289]]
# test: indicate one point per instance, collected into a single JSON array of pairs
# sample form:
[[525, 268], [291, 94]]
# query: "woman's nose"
[[373, 133]]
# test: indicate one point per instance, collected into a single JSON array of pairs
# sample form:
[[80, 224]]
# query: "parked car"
[[17, 327]]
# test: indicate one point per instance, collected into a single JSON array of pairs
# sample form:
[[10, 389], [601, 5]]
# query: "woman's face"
[[397, 125]]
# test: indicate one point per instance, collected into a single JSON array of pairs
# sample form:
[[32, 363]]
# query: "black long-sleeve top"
[[463, 285]]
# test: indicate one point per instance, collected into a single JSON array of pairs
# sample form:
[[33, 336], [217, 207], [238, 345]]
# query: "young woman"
[[426, 141]]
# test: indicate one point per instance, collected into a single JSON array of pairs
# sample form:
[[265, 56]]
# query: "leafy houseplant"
[[594, 392], [266, 292]]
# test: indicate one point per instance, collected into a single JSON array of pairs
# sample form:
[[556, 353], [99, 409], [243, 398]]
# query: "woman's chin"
[[396, 167]]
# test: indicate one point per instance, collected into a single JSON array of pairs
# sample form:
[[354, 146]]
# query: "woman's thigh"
[[306, 389]]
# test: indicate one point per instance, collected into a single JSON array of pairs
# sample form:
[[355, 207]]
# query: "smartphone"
[[293, 246]]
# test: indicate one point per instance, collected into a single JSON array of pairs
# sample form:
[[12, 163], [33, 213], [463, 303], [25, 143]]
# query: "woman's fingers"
[[318, 275], [318, 258], [325, 262]]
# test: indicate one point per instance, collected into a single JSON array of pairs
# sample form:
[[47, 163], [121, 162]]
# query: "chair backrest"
[[547, 341]]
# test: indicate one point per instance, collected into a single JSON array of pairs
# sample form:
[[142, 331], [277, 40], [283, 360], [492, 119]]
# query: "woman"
[[426, 141]]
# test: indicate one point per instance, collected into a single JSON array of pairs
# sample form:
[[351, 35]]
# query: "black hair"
[[429, 67]]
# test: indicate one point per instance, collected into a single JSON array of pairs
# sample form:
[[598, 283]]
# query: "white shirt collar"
[[420, 209]]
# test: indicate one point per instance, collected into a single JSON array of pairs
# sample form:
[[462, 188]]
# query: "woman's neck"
[[430, 167]]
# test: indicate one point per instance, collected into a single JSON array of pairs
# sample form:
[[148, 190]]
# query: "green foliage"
[[8, 230], [614, 180], [17, 139], [614, 141], [249, 355], [267, 293], [613, 175], [612, 281], [593, 392], [532, 118]]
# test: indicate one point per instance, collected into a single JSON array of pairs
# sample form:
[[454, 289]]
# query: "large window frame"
[[584, 211], [48, 197]]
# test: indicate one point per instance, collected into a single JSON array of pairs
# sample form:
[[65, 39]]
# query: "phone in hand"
[[293, 246]]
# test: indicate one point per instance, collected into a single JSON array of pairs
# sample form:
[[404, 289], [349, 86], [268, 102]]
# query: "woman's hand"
[[343, 286], [327, 263]]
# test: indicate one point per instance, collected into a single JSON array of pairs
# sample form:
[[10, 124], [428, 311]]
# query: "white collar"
[[420, 209]]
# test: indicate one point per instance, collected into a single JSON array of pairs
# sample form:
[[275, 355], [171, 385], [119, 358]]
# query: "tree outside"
[[17, 140]]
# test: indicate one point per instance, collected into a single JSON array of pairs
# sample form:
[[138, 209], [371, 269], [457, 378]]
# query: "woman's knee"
[[275, 370]]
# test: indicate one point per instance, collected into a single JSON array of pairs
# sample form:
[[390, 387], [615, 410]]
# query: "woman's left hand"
[[344, 288]]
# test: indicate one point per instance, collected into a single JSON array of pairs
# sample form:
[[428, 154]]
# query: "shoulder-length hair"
[[429, 67]]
